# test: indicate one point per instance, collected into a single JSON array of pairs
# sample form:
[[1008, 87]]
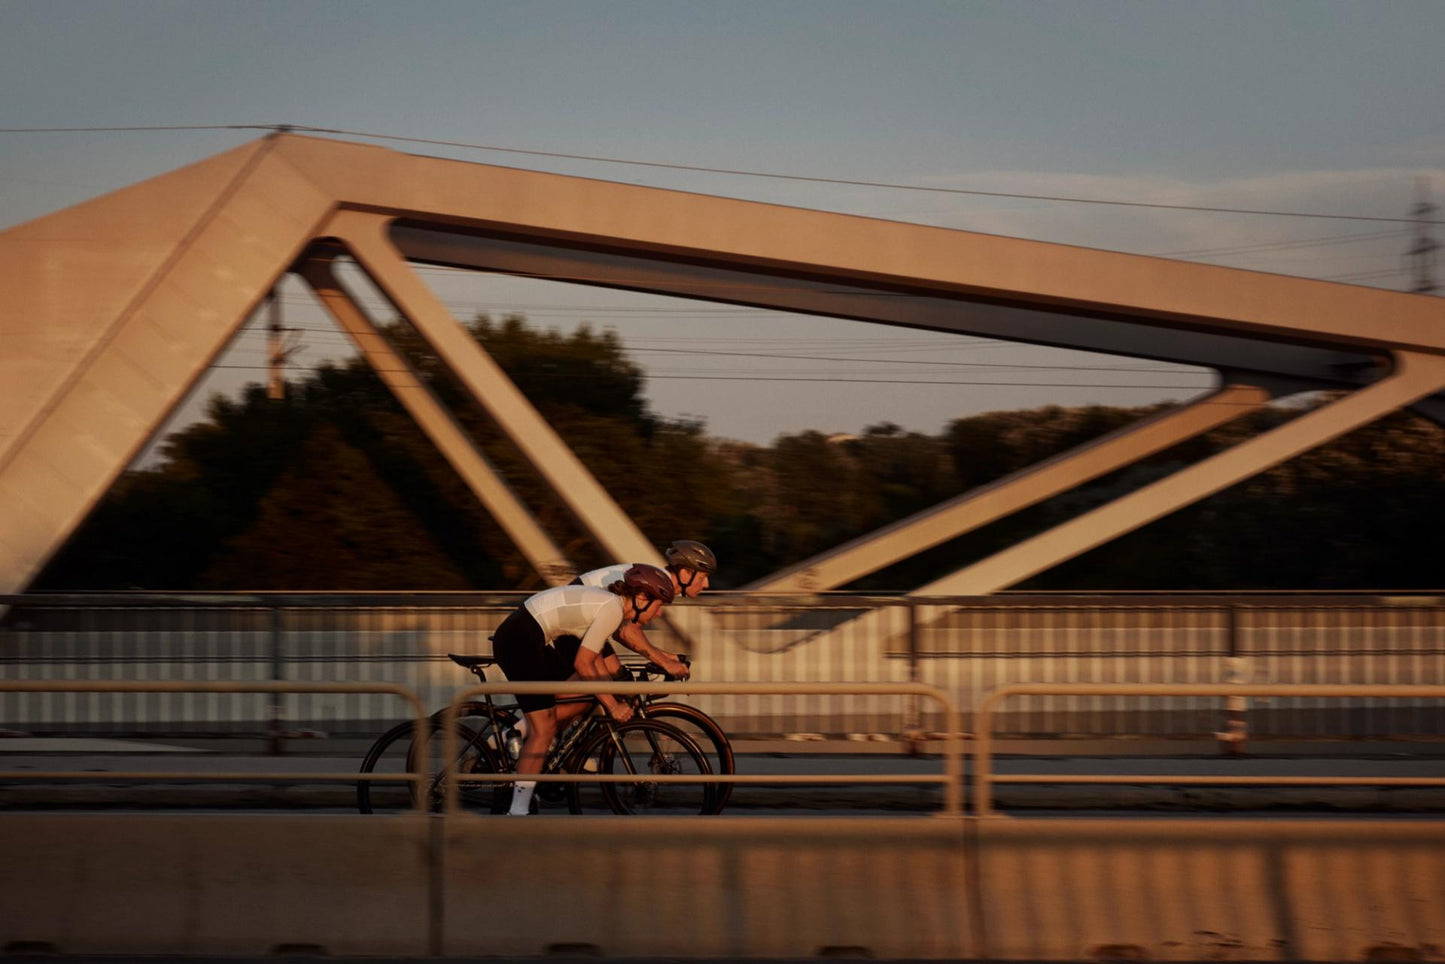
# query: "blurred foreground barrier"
[[984, 778], [958, 888], [1211, 889]]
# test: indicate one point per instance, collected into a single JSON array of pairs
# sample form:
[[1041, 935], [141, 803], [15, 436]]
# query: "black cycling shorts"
[[522, 651]]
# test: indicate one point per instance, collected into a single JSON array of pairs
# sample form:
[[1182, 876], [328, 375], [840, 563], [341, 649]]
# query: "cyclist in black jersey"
[[558, 634]]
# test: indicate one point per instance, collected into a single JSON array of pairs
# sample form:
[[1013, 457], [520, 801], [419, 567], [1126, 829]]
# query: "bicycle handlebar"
[[649, 669]]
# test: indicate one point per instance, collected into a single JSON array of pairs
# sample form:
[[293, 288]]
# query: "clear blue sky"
[[1300, 105]]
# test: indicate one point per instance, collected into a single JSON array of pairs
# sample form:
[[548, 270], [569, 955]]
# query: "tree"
[[329, 522]]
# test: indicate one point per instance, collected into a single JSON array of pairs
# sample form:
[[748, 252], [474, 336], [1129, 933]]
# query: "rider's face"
[[693, 587], [647, 609]]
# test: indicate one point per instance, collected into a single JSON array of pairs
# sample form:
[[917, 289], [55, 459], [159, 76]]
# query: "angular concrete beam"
[[1013, 492], [1415, 376], [449, 438], [884, 259], [110, 313], [365, 237]]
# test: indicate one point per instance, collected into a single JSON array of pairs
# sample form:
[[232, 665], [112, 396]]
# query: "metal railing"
[[953, 746], [951, 779], [984, 778], [414, 703], [966, 646]]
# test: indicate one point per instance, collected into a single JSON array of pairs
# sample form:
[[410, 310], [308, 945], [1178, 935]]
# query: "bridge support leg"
[[365, 237], [1016, 491], [449, 438], [1415, 376]]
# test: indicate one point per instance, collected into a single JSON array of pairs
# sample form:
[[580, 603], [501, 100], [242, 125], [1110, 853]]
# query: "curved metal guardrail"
[[951, 779], [419, 716], [984, 778], [953, 749]]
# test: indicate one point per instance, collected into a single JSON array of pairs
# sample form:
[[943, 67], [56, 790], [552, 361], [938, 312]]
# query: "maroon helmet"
[[651, 581]]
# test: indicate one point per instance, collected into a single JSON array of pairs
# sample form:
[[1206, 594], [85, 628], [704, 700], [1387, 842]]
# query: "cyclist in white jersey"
[[691, 565], [558, 634]]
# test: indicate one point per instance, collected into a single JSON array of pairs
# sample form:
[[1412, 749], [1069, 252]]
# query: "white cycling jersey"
[[604, 577], [583, 611]]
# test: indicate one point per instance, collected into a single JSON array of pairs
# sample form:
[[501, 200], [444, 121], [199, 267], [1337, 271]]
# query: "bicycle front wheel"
[[709, 737], [646, 748]]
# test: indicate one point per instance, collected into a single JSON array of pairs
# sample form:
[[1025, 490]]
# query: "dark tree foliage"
[[336, 488], [331, 521]]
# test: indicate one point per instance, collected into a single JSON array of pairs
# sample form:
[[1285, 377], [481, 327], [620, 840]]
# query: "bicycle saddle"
[[472, 661]]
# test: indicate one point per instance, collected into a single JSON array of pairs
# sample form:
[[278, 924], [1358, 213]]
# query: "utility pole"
[[1423, 247], [278, 349]]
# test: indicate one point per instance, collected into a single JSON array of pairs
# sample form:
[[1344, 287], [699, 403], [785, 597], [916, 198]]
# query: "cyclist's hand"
[[676, 668], [620, 710]]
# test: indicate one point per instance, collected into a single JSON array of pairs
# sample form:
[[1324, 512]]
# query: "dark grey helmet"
[[686, 554]]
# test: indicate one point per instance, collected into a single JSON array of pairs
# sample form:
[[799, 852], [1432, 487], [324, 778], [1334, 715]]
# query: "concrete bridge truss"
[[111, 311]]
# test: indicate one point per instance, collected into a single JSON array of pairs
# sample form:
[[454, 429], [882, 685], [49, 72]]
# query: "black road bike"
[[487, 742]]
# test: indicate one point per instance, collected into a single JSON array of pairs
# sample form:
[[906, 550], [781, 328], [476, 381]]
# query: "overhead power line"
[[844, 380], [1281, 245], [142, 129], [734, 172]]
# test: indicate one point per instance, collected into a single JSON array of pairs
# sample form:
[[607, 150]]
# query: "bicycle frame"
[[559, 757]]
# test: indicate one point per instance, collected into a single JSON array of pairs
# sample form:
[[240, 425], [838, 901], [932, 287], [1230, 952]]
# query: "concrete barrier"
[[1220, 889], [708, 887], [215, 884], [727, 887]]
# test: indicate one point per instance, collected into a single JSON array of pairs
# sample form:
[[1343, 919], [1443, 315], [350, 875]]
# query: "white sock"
[[522, 798], [522, 727]]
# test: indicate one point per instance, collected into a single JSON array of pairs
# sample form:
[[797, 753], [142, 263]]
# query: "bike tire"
[[709, 737], [393, 752], [645, 746]]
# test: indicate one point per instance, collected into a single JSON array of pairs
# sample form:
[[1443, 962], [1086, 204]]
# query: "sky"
[[1300, 106]]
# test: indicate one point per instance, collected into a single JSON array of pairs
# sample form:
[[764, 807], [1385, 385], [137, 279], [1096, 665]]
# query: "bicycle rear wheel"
[[394, 753], [645, 748]]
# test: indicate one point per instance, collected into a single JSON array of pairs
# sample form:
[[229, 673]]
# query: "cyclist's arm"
[[590, 664], [632, 636]]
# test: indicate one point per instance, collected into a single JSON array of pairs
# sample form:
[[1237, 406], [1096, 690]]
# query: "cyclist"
[[558, 634], [691, 565]]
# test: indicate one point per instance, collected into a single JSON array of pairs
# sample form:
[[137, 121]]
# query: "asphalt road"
[[28, 767]]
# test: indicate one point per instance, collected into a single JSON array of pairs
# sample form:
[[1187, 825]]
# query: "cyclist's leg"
[[521, 651]]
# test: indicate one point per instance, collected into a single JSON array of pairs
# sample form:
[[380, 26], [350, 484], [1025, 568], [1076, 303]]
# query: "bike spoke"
[[650, 748], [395, 754]]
